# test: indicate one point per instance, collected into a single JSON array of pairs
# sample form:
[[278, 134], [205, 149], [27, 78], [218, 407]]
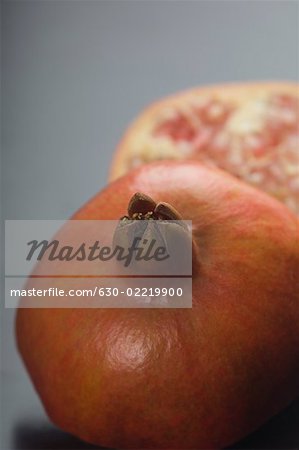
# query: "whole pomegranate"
[[199, 378], [249, 130]]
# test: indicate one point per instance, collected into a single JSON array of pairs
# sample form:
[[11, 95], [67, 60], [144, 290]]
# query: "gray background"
[[74, 74]]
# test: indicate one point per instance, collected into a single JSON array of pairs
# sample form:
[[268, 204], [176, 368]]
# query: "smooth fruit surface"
[[197, 378], [249, 130]]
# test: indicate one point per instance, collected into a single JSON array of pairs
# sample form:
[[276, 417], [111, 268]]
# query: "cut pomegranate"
[[250, 131]]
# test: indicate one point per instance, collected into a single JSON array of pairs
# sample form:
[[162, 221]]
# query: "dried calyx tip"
[[143, 207]]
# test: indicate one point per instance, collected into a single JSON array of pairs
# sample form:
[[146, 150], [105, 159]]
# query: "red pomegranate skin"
[[199, 378]]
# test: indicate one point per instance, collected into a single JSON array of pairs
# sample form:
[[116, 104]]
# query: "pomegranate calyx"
[[143, 207], [146, 219]]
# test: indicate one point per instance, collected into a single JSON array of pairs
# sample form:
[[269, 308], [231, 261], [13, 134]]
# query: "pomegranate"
[[198, 378], [249, 130]]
